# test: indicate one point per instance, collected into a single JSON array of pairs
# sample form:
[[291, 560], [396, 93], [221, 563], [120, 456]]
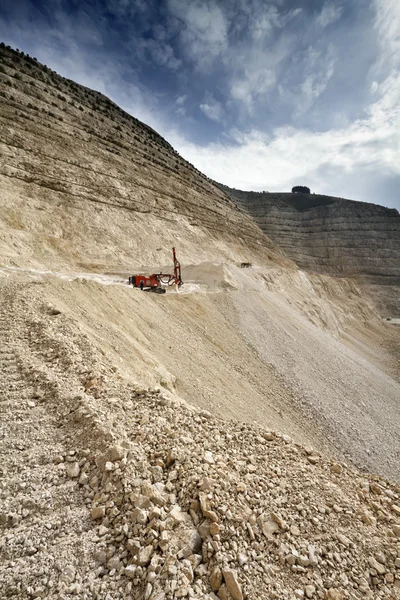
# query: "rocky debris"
[[124, 504], [178, 531], [73, 470], [232, 584], [98, 512]]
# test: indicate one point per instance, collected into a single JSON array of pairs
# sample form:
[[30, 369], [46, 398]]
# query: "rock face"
[[98, 179], [333, 236]]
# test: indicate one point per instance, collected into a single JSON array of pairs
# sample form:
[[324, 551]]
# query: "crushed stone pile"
[[113, 492]]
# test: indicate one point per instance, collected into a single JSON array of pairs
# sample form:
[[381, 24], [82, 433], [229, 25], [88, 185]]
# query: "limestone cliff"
[[333, 236], [85, 184]]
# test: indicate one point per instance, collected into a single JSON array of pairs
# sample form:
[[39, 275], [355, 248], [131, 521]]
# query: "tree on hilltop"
[[300, 189]]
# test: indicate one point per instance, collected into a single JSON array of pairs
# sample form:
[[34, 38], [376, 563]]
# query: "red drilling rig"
[[153, 283]]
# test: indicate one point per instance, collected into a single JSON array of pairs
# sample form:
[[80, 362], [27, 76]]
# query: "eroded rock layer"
[[83, 183], [333, 236]]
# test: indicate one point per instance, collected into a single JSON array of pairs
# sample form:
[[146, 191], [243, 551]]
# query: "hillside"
[[89, 170], [236, 439], [334, 236]]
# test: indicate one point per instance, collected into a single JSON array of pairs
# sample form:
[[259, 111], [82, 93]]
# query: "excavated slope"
[[333, 236], [115, 482], [87, 187], [84, 184], [94, 504]]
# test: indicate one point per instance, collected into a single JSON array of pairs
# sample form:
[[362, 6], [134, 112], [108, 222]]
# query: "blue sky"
[[259, 95]]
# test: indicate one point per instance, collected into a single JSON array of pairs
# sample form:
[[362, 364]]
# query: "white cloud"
[[294, 13], [387, 23], [158, 51], [254, 71], [253, 83], [204, 34], [330, 13], [386, 70], [329, 162], [318, 68], [314, 84], [263, 21], [181, 99], [212, 108]]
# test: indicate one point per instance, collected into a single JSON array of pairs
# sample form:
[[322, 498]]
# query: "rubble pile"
[[193, 507]]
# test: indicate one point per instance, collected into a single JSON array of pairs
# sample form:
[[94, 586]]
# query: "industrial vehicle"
[[153, 283]]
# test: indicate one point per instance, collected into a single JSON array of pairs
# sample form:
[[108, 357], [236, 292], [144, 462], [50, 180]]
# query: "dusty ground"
[[261, 346], [111, 491], [379, 345]]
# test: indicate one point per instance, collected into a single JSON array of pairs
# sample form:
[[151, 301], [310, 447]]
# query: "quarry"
[[237, 437]]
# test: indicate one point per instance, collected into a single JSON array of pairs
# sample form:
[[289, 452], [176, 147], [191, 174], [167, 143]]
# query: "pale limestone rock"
[[295, 530], [223, 593], [367, 518], [204, 530], [336, 468], [139, 500], [377, 566], [117, 453], [312, 555], [206, 508], [214, 528], [138, 515], [144, 556], [209, 458], [98, 512], [176, 514], [130, 571], [343, 539], [68, 574], [206, 484], [334, 594], [291, 559], [182, 592], [73, 470], [84, 479], [380, 557], [309, 591], [155, 513], [147, 592], [270, 524], [114, 562], [216, 579], [232, 583], [102, 530]]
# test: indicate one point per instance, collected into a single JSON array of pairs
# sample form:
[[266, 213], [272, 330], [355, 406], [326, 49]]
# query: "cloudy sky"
[[258, 94]]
